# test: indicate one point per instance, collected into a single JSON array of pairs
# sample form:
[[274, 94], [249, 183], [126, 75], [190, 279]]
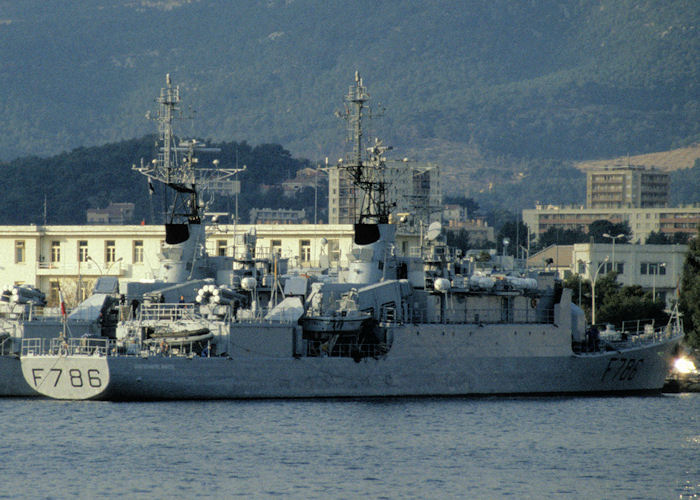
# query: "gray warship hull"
[[12, 382], [425, 360]]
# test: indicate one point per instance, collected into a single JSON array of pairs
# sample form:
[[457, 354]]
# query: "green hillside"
[[68, 184], [65, 186], [537, 79]]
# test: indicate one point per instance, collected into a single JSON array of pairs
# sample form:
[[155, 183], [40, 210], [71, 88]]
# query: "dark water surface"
[[633, 447]]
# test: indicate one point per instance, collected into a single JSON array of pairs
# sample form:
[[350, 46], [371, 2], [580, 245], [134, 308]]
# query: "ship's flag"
[[151, 189], [63, 302]]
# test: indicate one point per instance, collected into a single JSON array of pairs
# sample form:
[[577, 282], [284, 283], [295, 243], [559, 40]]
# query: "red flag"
[[63, 303]]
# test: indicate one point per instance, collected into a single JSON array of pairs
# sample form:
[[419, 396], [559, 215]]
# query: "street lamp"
[[112, 263], [99, 267], [506, 242], [656, 272], [613, 238], [595, 277]]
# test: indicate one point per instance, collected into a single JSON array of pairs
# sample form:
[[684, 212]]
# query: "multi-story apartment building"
[[627, 187], [642, 221], [415, 189]]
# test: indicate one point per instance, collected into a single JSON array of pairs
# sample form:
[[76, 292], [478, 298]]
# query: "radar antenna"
[[176, 165], [367, 173]]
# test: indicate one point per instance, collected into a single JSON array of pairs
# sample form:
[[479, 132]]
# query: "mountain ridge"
[[538, 79]]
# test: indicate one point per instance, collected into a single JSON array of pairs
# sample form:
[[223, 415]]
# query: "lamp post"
[[112, 263], [99, 267], [656, 272], [580, 280], [613, 238], [595, 277]]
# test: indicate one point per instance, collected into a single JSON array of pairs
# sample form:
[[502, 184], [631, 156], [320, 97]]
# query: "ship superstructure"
[[389, 326]]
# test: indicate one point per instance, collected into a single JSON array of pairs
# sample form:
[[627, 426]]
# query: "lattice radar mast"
[[176, 165], [368, 171]]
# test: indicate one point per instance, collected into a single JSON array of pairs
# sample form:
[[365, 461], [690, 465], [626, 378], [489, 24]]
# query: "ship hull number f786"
[[622, 369], [74, 376]]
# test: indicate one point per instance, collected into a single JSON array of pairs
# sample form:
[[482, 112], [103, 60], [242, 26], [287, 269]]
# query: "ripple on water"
[[413, 448]]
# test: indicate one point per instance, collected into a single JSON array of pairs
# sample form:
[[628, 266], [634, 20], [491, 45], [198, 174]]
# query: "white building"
[[73, 257], [656, 268], [642, 221]]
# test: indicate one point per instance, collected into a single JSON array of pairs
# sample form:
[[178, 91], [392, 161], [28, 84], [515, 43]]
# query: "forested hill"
[[524, 79], [65, 186], [68, 184]]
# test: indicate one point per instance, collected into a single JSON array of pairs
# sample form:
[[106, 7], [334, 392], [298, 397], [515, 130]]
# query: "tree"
[[655, 238], [598, 228], [458, 239], [615, 303], [516, 232], [555, 236], [689, 300], [659, 238], [630, 303]]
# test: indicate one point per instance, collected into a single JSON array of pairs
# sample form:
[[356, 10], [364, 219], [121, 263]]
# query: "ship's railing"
[[73, 346], [482, 316], [167, 312], [631, 337]]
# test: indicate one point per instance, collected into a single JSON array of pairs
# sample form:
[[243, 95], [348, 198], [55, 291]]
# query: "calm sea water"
[[633, 447]]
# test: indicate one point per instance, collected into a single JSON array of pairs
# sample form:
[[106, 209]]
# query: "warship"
[[23, 314], [386, 325]]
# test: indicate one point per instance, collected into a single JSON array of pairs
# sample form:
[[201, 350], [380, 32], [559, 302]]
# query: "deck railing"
[[73, 346]]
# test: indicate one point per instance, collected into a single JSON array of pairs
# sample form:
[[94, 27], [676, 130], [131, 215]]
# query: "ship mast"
[[368, 173], [176, 165]]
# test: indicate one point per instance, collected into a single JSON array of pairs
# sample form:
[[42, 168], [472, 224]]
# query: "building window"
[[334, 251], [19, 251], [276, 247], [54, 288], [305, 250], [221, 248], [83, 291], [581, 267], [82, 251], [110, 251], [55, 251], [657, 268], [138, 251], [620, 267]]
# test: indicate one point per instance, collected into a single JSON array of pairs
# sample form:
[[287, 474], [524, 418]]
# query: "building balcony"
[[88, 269]]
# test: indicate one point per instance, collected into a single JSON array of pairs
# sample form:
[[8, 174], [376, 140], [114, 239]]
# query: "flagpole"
[[64, 335]]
